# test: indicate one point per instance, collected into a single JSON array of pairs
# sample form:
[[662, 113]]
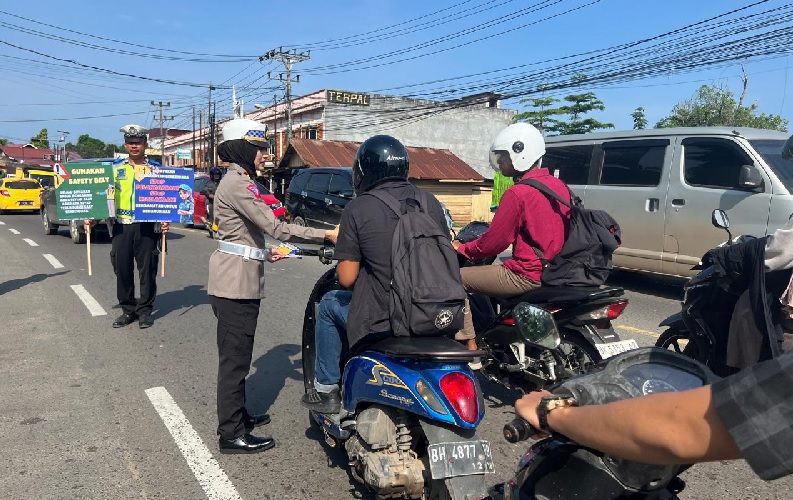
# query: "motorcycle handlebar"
[[519, 430]]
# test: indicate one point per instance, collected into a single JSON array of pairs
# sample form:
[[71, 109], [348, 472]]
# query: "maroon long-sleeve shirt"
[[525, 218]]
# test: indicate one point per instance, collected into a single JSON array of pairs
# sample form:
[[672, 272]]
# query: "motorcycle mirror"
[[719, 219], [536, 325]]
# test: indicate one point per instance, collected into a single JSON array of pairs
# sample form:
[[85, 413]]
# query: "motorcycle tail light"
[[611, 311], [460, 390], [429, 397], [508, 321]]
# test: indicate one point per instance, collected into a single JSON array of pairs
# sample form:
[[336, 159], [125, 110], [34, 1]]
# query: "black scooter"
[[584, 316], [557, 468], [700, 330]]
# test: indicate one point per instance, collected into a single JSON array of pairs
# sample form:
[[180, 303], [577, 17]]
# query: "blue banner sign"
[[165, 195]]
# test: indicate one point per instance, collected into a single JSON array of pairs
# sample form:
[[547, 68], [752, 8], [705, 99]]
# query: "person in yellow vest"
[[133, 241]]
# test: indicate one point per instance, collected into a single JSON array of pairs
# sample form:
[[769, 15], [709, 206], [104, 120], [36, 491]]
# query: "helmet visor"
[[498, 159]]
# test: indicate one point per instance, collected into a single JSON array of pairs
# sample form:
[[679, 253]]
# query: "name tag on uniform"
[[121, 174]]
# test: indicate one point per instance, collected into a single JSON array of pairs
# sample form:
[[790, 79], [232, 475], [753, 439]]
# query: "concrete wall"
[[466, 131]]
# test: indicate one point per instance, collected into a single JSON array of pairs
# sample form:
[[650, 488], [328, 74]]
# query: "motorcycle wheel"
[[672, 339], [579, 354]]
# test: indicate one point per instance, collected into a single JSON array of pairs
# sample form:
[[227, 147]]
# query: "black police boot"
[[124, 320], [247, 443], [322, 402], [253, 421]]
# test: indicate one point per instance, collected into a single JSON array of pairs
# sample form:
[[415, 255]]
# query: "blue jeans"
[[330, 328]]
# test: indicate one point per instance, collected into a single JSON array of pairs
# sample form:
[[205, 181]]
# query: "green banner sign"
[[86, 191]]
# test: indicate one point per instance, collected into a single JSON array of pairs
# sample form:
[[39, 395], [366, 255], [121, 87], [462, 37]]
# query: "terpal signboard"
[[344, 97], [86, 191]]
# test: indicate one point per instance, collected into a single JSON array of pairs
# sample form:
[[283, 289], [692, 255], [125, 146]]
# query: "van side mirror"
[[536, 325], [750, 179], [719, 219], [787, 149]]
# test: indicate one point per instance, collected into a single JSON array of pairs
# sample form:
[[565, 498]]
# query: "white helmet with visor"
[[522, 143]]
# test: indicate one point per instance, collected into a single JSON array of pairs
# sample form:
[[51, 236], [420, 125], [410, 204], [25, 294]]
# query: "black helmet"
[[379, 158], [215, 171]]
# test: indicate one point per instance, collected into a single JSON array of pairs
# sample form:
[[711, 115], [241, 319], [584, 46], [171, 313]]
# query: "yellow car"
[[19, 194]]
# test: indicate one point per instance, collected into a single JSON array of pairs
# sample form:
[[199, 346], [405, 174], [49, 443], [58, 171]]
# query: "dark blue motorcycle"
[[410, 408]]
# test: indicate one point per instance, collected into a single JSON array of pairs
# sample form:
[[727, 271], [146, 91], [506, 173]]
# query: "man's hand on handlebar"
[[526, 408], [331, 235]]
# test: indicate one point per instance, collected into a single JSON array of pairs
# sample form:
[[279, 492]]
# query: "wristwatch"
[[549, 403]]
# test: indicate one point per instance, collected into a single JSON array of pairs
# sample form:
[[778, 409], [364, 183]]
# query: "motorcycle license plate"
[[460, 459], [612, 348]]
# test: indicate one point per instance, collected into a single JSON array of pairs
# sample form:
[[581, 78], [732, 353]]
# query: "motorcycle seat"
[[563, 295], [439, 348]]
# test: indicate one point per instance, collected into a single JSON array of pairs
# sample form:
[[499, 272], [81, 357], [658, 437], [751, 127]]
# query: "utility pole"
[[211, 125], [287, 58], [161, 105], [64, 156], [192, 151]]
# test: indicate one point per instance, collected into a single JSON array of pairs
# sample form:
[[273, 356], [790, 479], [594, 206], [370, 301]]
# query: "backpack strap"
[[398, 208], [550, 193], [544, 189]]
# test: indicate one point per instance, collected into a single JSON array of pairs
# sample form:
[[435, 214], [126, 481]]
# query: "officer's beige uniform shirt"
[[243, 218]]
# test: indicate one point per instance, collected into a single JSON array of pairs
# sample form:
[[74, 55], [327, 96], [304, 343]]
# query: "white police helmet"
[[522, 142], [241, 128]]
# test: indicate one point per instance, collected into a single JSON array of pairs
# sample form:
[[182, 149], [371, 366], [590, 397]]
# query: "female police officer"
[[236, 277]]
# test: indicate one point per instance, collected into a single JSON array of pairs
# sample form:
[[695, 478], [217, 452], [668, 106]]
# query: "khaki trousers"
[[494, 281]]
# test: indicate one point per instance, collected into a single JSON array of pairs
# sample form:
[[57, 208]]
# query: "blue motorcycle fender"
[[374, 377], [674, 321]]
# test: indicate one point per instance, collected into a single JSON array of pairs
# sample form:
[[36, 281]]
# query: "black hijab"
[[241, 152]]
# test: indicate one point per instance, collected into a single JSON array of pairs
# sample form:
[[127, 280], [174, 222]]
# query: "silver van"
[[662, 185]]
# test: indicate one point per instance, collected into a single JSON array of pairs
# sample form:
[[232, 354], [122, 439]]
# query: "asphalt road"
[[87, 408]]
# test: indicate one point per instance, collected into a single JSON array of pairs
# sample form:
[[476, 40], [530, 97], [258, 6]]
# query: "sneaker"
[[322, 402]]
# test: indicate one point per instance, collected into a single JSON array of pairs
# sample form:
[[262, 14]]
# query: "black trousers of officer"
[[135, 243], [237, 320]]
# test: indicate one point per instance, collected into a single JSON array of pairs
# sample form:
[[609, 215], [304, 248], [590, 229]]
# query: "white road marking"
[[637, 330], [52, 260], [2, 223], [30, 242], [14, 231], [206, 469], [93, 306]]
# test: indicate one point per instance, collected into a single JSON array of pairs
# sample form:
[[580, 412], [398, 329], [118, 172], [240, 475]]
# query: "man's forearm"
[[668, 428]]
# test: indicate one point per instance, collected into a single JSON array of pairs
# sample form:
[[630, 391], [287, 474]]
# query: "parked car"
[[316, 196], [19, 194], [662, 185]]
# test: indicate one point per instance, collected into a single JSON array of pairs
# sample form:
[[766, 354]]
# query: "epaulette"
[[118, 161]]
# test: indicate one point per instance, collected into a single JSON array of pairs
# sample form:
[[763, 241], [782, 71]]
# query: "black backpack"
[[427, 295], [585, 258]]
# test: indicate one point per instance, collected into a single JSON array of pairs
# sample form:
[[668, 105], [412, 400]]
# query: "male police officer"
[[133, 241]]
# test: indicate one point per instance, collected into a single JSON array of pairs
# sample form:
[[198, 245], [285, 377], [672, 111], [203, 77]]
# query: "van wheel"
[[299, 221], [49, 227], [78, 237]]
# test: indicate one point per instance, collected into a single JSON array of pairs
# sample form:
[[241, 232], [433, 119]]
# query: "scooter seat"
[[439, 348], [563, 295]]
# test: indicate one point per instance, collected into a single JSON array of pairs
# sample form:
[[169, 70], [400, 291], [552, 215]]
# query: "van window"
[[771, 151], [339, 183], [318, 182], [626, 164], [711, 162], [572, 162]]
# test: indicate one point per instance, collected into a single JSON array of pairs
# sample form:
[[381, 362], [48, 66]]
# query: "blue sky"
[[39, 87]]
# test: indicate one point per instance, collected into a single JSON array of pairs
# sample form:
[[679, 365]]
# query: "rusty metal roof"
[[425, 163]]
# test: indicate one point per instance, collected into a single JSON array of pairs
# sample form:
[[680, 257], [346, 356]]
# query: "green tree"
[[543, 113], [714, 105], [88, 147], [639, 118], [111, 149], [41, 140], [3, 141], [577, 105]]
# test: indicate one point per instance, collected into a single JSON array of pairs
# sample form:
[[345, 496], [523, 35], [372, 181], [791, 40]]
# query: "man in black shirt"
[[363, 250]]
